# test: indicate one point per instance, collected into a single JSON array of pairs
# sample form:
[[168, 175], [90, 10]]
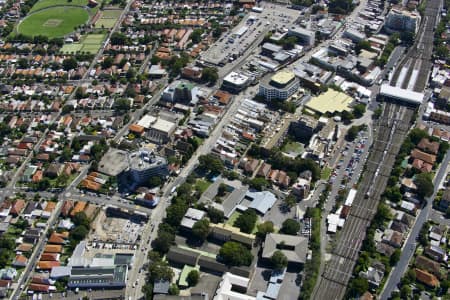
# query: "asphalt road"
[[410, 244]]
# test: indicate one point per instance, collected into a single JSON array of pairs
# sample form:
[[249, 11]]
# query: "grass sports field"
[[90, 43], [51, 3], [108, 19], [54, 21]]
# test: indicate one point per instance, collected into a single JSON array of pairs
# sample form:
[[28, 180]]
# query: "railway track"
[[413, 70], [391, 129]]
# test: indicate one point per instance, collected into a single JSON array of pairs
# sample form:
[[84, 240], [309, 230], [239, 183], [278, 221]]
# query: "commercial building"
[[235, 82], [354, 35], [306, 37], [158, 129], [304, 128], [403, 20], [282, 85], [161, 131], [331, 101], [140, 165], [144, 164], [112, 277], [178, 92]]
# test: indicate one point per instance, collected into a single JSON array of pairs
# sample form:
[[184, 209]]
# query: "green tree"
[[79, 233], [405, 292], [196, 35], [107, 62], [279, 260], [363, 45], [155, 181], [118, 38], [70, 63], [235, 254], [163, 242], [215, 215], [222, 189], [416, 135], [246, 221], [67, 109], [358, 286], [259, 183], [264, 229], [193, 277], [7, 243], [424, 185], [290, 226], [122, 104], [210, 75], [160, 270], [80, 218], [201, 229], [395, 257], [359, 110], [211, 162], [290, 201], [352, 133], [174, 290]]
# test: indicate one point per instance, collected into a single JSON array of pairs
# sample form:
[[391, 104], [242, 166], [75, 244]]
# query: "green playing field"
[[53, 21]]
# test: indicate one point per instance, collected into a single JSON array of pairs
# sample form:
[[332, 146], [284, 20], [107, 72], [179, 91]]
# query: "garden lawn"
[[233, 218], [202, 185], [326, 172], [53, 22], [293, 148]]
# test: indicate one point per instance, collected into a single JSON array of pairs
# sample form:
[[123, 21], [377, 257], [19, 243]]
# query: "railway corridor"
[[390, 131]]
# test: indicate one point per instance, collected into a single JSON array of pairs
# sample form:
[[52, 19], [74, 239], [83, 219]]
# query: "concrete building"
[[178, 92], [98, 277], [304, 128], [402, 20], [161, 131], [233, 287], [306, 37], [140, 165], [301, 188], [144, 164], [191, 217], [282, 85], [235, 82]]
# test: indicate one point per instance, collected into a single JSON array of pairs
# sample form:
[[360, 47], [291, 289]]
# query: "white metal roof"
[[401, 94]]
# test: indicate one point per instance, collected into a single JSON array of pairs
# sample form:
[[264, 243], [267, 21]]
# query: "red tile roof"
[[427, 278]]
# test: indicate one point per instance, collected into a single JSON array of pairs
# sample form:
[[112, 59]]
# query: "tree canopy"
[[246, 221], [215, 215], [290, 226], [211, 163], [265, 228], [235, 254], [193, 277], [424, 185], [201, 229], [279, 260]]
